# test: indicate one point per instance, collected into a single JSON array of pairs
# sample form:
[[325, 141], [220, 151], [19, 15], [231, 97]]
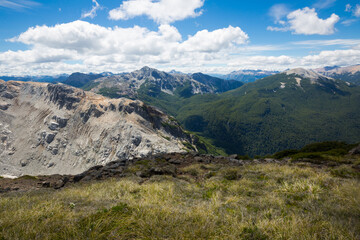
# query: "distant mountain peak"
[[145, 68], [305, 73], [350, 74], [148, 71], [328, 68], [247, 75], [175, 72]]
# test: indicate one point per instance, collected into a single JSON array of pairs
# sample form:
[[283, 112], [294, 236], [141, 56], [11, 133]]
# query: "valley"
[[282, 111]]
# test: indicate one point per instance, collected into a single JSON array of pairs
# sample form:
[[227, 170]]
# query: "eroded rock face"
[[56, 129]]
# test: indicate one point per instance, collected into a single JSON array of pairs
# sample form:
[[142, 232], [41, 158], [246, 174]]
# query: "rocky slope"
[[56, 129]]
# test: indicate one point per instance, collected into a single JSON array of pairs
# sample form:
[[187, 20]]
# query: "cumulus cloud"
[[332, 58], [205, 41], [92, 12], [99, 48], [85, 47], [36, 56], [91, 39], [306, 21], [161, 11]]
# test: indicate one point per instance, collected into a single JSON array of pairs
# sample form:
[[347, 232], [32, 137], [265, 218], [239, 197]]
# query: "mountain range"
[[154, 82], [49, 79], [349, 73], [281, 111], [57, 128]]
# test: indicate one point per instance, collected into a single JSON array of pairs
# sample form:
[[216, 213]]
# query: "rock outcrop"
[[57, 129]]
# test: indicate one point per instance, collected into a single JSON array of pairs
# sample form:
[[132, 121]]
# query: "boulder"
[[355, 151], [50, 137]]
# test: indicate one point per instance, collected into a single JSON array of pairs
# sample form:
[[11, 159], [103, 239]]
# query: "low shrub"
[[232, 174]]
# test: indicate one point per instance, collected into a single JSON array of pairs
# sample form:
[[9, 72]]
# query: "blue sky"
[[212, 36]]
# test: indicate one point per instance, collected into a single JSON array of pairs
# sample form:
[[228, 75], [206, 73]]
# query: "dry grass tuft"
[[253, 202]]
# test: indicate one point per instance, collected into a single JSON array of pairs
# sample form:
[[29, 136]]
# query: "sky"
[[39, 37]]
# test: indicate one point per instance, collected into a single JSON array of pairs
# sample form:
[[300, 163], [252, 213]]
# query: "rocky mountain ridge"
[[54, 128], [349, 74], [155, 82], [339, 70], [305, 73]]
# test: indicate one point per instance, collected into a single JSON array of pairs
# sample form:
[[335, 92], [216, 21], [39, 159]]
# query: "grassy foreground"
[[263, 201]]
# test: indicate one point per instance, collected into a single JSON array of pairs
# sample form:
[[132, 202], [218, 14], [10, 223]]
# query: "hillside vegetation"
[[269, 199], [271, 114]]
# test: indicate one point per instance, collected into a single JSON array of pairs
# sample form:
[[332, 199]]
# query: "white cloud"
[[36, 56], [357, 10], [161, 11], [332, 58], [97, 48], [92, 12], [349, 22], [264, 62], [277, 29], [278, 11], [348, 7], [205, 41], [90, 39], [306, 21], [324, 58], [18, 4], [332, 42], [85, 47]]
